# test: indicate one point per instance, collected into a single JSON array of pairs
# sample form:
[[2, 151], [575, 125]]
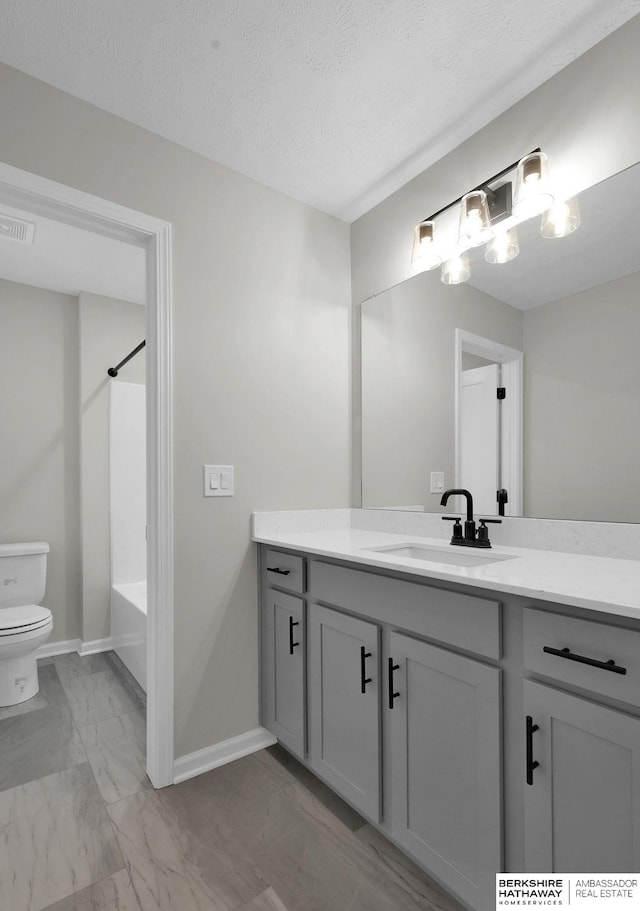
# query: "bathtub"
[[129, 627]]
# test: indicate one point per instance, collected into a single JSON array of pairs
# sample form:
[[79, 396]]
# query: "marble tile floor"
[[83, 830]]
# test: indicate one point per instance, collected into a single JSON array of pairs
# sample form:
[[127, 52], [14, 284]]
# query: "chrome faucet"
[[470, 538]]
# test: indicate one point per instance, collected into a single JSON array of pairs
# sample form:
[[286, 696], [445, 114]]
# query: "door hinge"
[[502, 392]]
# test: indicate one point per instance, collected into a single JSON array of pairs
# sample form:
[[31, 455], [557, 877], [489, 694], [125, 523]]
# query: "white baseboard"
[[65, 646], [221, 753], [93, 646]]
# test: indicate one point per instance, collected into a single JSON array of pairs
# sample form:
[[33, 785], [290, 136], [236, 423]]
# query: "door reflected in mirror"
[[572, 307]]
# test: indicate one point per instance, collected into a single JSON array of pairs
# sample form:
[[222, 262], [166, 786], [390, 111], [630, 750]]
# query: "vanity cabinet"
[[344, 706], [482, 733]]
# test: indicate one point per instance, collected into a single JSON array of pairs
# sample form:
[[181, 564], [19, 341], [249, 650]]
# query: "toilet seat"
[[24, 619]]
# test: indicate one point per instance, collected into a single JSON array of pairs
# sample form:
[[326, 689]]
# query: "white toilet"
[[24, 624]]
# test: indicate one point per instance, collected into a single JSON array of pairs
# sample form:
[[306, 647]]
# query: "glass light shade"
[[475, 223], [423, 255], [503, 247], [533, 194], [561, 219], [456, 270]]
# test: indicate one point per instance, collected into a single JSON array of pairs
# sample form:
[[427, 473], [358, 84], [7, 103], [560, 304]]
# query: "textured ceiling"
[[336, 102]]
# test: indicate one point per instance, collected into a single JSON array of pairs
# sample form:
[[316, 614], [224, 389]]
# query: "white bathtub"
[[129, 627]]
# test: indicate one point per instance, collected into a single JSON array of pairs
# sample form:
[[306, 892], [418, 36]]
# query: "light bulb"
[[503, 248], [561, 219], [533, 194], [423, 254], [475, 224], [456, 270]]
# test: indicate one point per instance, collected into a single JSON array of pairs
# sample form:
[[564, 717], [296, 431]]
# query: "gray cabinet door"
[[446, 767], [582, 811], [283, 671], [344, 745]]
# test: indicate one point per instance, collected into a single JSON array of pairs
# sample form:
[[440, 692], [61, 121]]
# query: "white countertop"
[[605, 584]]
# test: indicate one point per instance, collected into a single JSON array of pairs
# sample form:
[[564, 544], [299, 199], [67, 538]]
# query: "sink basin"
[[456, 556]]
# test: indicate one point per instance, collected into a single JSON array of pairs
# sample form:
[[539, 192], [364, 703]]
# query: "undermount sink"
[[456, 556]]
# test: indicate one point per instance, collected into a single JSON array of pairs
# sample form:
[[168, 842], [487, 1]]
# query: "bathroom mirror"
[[572, 307]]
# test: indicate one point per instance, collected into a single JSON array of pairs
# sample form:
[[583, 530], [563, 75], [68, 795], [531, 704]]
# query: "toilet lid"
[[20, 619]]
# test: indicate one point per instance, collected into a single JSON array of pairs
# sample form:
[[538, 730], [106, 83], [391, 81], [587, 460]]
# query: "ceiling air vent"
[[12, 229]]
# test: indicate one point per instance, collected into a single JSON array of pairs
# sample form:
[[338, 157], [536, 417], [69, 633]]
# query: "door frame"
[[512, 448], [54, 200]]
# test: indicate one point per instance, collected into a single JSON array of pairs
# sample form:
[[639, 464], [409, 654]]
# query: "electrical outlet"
[[437, 482]]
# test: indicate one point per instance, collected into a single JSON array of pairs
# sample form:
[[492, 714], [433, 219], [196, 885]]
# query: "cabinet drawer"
[[285, 570], [462, 621], [596, 642]]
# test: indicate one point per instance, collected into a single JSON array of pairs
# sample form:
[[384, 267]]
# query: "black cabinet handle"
[[609, 665], [292, 644], [363, 673], [392, 695], [531, 762], [280, 572]]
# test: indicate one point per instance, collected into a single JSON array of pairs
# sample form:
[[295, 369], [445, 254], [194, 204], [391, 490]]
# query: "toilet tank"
[[23, 573]]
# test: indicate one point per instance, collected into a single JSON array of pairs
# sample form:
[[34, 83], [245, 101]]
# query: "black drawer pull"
[[392, 695], [531, 762], [292, 644], [363, 673], [609, 665], [280, 572]]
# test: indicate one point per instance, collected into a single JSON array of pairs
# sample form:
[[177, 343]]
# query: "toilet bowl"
[[25, 624]]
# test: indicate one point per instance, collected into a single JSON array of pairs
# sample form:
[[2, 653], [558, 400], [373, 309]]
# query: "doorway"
[[488, 423], [38, 195]]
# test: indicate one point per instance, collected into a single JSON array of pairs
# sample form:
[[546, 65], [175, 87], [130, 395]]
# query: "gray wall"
[[261, 300], [39, 455], [408, 388], [585, 118], [581, 394], [108, 330]]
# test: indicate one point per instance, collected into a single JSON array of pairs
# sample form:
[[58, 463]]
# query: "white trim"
[[221, 753], [160, 630], [512, 437], [38, 194], [94, 646], [63, 647], [484, 347]]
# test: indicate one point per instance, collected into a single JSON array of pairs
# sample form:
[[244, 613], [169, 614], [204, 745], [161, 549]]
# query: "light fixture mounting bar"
[[482, 186]]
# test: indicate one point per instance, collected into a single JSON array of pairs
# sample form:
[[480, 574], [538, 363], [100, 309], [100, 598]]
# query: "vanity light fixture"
[[533, 193], [503, 247], [423, 255], [561, 219], [456, 270], [486, 206]]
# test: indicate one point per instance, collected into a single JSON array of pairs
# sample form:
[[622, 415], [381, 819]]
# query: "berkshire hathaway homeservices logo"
[[585, 891]]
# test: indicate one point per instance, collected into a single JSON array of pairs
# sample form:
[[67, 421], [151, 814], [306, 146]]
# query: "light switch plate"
[[218, 481]]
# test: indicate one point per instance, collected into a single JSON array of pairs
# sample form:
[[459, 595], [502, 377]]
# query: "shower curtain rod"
[[113, 371]]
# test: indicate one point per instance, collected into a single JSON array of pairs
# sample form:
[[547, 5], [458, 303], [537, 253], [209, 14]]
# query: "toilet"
[[24, 624]]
